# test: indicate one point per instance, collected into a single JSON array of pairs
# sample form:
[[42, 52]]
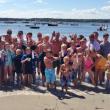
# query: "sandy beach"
[[38, 98]]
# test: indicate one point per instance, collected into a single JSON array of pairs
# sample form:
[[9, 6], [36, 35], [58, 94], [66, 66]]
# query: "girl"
[[99, 68], [88, 64], [63, 52], [8, 64]]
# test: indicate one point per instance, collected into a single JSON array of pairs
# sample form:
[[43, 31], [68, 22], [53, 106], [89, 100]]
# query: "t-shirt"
[[17, 63], [30, 65], [105, 48], [101, 63]]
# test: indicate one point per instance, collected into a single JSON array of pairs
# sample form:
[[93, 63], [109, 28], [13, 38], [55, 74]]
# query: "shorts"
[[75, 73], [65, 81], [50, 76], [28, 70]]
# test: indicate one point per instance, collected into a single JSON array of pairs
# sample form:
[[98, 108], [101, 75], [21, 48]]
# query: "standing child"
[[49, 71], [65, 74], [18, 66], [108, 73], [8, 64], [99, 68], [88, 64], [76, 68], [27, 60]]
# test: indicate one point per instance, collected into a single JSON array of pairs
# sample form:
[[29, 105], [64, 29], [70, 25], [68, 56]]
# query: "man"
[[8, 37], [39, 38], [56, 43], [20, 39], [96, 37], [46, 43], [105, 45], [92, 44]]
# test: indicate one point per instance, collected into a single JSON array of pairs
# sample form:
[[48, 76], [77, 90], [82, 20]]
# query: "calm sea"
[[65, 29]]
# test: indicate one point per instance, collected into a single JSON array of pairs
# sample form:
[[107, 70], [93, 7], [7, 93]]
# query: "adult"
[[56, 43], [39, 38], [105, 45], [8, 36], [92, 44]]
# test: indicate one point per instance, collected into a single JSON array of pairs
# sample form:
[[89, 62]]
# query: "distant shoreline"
[[56, 20]]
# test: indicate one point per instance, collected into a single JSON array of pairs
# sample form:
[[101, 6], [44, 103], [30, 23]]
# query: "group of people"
[[23, 59]]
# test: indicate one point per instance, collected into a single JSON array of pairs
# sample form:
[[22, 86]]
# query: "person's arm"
[[24, 59], [53, 35]]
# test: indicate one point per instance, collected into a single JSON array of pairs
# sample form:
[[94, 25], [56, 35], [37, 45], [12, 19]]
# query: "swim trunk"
[[50, 75], [65, 80]]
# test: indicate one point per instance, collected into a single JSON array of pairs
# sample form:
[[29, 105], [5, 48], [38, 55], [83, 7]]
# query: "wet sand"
[[38, 98]]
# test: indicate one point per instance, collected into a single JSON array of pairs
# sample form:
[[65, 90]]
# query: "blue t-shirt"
[[30, 65]]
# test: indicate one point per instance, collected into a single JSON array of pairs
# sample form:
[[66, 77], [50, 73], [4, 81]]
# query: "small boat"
[[28, 25], [10, 22], [95, 24], [52, 24], [103, 28], [25, 22], [74, 24], [34, 27]]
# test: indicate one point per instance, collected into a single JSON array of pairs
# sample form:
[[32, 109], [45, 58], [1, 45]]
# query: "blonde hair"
[[63, 46], [66, 59], [18, 51]]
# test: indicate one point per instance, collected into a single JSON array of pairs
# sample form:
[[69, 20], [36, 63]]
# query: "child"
[[63, 52], [49, 71], [18, 66], [88, 64], [108, 73], [65, 74], [8, 63], [27, 60], [77, 64], [99, 68]]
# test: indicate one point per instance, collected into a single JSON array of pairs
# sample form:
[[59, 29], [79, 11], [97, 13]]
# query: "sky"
[[72, 9]]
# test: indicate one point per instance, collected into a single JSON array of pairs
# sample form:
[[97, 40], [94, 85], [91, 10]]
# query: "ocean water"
[[65, 29]]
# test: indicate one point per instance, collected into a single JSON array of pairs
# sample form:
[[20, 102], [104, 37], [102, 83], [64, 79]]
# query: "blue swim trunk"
[[50, 75]]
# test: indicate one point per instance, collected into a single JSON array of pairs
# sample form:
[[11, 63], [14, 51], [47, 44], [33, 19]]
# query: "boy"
[[64, 73], [49, 71], [28, 62], [18, 66]]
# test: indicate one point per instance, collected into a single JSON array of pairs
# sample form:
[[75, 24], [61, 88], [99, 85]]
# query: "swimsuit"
[[50, 75]]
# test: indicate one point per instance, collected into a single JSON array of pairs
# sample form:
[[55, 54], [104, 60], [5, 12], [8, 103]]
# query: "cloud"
[[40, 1], [106, 8], [92, 13], [47, 13], [3, 1]]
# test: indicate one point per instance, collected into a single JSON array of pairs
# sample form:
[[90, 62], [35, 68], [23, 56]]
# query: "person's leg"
[[43, 76], [34, 77], [91, 76], [53, 78], [101, 76], [30, 78], [74, 78], [5, 74], [47, 75], [83, 75], [10, 75], [96, 75]]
